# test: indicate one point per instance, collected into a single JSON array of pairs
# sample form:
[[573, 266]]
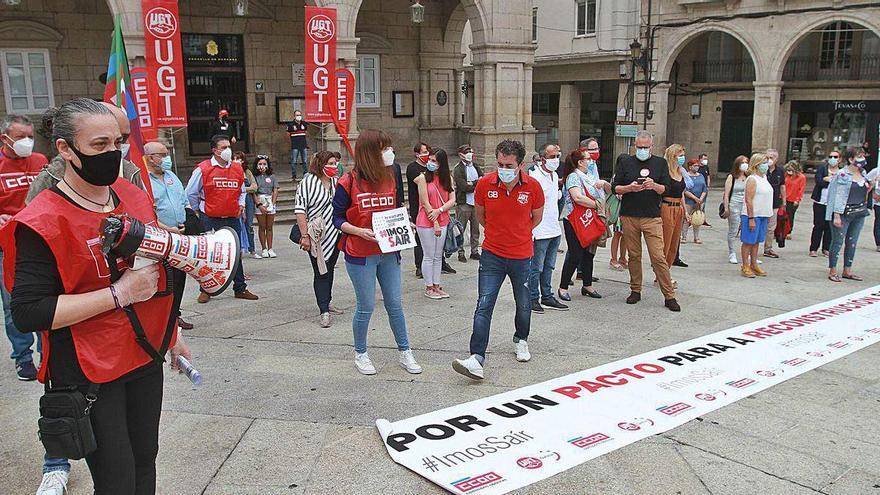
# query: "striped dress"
[[314, 200]]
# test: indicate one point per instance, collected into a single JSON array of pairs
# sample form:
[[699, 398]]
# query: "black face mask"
[[98, 170]]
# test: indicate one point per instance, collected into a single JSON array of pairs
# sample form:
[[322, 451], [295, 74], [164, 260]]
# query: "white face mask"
[[124, 148], [24, 147], [744, 167], [298, 118], [552, 164], [388, 157], [468, 157], [226, 154], [704, 162]]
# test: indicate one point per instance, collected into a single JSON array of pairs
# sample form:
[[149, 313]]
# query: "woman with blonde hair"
[[734, 200], [757, 213], [672, 203]]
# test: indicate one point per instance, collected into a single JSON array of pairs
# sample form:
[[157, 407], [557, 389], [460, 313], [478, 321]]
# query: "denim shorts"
[[756, 236]]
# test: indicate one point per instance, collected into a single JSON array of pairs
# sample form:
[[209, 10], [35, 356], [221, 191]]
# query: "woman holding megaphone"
[[106, 327]]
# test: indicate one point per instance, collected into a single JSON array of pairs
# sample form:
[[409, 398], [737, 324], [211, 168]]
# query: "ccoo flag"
[[118, 92]]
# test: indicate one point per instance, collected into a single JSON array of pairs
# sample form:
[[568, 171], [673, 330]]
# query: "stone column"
[[766, 120], [659, 105], [569, 117], [527, 98]]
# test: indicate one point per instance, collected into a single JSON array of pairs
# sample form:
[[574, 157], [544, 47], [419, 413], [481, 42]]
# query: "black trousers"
[[179, 284], [821, 229], [323, 284], [125, 419], [576, 257]]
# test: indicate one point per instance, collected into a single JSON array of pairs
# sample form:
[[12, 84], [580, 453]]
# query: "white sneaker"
[[325, 320], [265, 253], [272, 254], [469, 367], [522, 351], [256, 256], [408, 362], [732, 259], [364, 365], [54, 483]]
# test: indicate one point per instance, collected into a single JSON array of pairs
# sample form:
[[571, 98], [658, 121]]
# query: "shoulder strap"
[[140, 335]]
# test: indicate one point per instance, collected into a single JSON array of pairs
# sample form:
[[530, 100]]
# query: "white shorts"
[[266, 201]]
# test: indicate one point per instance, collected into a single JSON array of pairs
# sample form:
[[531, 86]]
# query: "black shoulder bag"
[[729, 195], [64, 427]]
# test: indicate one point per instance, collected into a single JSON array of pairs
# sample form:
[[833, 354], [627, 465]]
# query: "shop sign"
[[164, 62], [320, 48], [852, 106], [626, 128]]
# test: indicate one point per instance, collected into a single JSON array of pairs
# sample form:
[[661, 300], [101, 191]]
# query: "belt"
[[671, 203]]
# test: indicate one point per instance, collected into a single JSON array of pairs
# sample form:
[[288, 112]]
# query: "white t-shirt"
[[762, 205], [472, 176], [549, 226]]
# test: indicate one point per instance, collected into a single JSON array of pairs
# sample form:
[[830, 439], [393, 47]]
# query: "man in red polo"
[[19, 165], [508, 204]]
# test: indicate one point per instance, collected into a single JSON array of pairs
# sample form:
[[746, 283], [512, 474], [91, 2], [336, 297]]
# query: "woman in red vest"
[[61, 284], [368, 189]]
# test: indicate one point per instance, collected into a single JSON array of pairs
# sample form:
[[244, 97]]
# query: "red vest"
[[16, 175], [366, 198], [222, 187], [105, 344]]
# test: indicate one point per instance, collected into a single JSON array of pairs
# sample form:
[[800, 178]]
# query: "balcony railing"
[[723, 71], [866, 68]]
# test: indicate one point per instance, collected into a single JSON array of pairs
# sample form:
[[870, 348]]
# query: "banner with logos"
[[342, 104], [320, 54], [392, 228], [144, 104], [507, 441], [164, 62]]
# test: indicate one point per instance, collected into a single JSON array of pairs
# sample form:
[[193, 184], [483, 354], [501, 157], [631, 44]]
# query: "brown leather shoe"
[[184, 325], [204, 297], [246, 294]]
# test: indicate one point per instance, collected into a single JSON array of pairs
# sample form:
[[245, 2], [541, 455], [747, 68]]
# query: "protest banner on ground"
[[507, 441]]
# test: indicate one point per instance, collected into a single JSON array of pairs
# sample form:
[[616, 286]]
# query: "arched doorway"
[[832, 83], [711, 98]]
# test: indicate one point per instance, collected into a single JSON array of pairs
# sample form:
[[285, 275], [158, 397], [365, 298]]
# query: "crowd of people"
[[52, 216]]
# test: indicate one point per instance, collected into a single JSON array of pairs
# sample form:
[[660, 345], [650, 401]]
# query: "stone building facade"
[[248, 64]]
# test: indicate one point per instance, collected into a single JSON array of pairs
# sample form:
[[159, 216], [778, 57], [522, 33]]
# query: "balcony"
[[865, 68], [723, 71]]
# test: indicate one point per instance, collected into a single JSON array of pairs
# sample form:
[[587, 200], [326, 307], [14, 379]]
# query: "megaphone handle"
[[169, 281]]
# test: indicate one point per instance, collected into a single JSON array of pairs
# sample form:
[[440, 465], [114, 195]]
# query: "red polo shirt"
[[509, 214]]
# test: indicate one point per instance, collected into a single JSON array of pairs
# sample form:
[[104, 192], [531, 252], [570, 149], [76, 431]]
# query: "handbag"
[[612, 209], [587, 224], [721, 212], [853, 212], [64, 427], [295, 234]]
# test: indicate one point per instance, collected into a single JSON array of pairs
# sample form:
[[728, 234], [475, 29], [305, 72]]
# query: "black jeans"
[[576, 257], [821, 229], [791, 209], [323, 284], [877, 225], [238, 283], [179, 283], [125, 419]]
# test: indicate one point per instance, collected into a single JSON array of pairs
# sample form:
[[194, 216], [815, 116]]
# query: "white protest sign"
[[507, 441], [393, 230]]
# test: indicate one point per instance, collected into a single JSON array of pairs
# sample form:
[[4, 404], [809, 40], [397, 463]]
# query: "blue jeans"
[[301, 156], [249, 210], [21, 342], [493, 270], [238, 283], [50, 464], [541, 267], [385, 268], [848, 236]]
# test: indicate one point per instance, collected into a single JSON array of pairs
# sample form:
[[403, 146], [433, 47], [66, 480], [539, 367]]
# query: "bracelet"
[[115, 296]]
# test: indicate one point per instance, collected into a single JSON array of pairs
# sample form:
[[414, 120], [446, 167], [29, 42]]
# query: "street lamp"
[[418, 12], [635, 50]]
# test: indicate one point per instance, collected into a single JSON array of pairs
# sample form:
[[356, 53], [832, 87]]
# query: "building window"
[[534, 24], [366, 77], [835, 51], [545, 104], [585, 17], [27, 80], [213, 65]]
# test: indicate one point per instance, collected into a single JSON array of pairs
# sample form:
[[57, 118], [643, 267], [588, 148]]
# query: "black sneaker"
[[475, 256], [552, 303], [418, 273], [679, 263], [634, 297], [461, 257], [537, 308], [447, 269], [672, 304], [26, 371], [595, 279]]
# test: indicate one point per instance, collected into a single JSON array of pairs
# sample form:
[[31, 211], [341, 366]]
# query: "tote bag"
[[587, 224]]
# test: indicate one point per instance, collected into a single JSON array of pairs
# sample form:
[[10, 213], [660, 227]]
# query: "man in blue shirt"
[[170, 203]]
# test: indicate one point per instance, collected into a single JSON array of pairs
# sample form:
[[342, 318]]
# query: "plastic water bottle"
[[193, 374]]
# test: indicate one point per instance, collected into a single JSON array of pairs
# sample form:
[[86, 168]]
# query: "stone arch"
[[473, 10], [22, 33], [455, 26], [669, 56], [777, 66]]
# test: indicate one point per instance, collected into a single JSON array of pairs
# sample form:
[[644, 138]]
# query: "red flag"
[[320, 54], [342, 104], [144, 104]]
